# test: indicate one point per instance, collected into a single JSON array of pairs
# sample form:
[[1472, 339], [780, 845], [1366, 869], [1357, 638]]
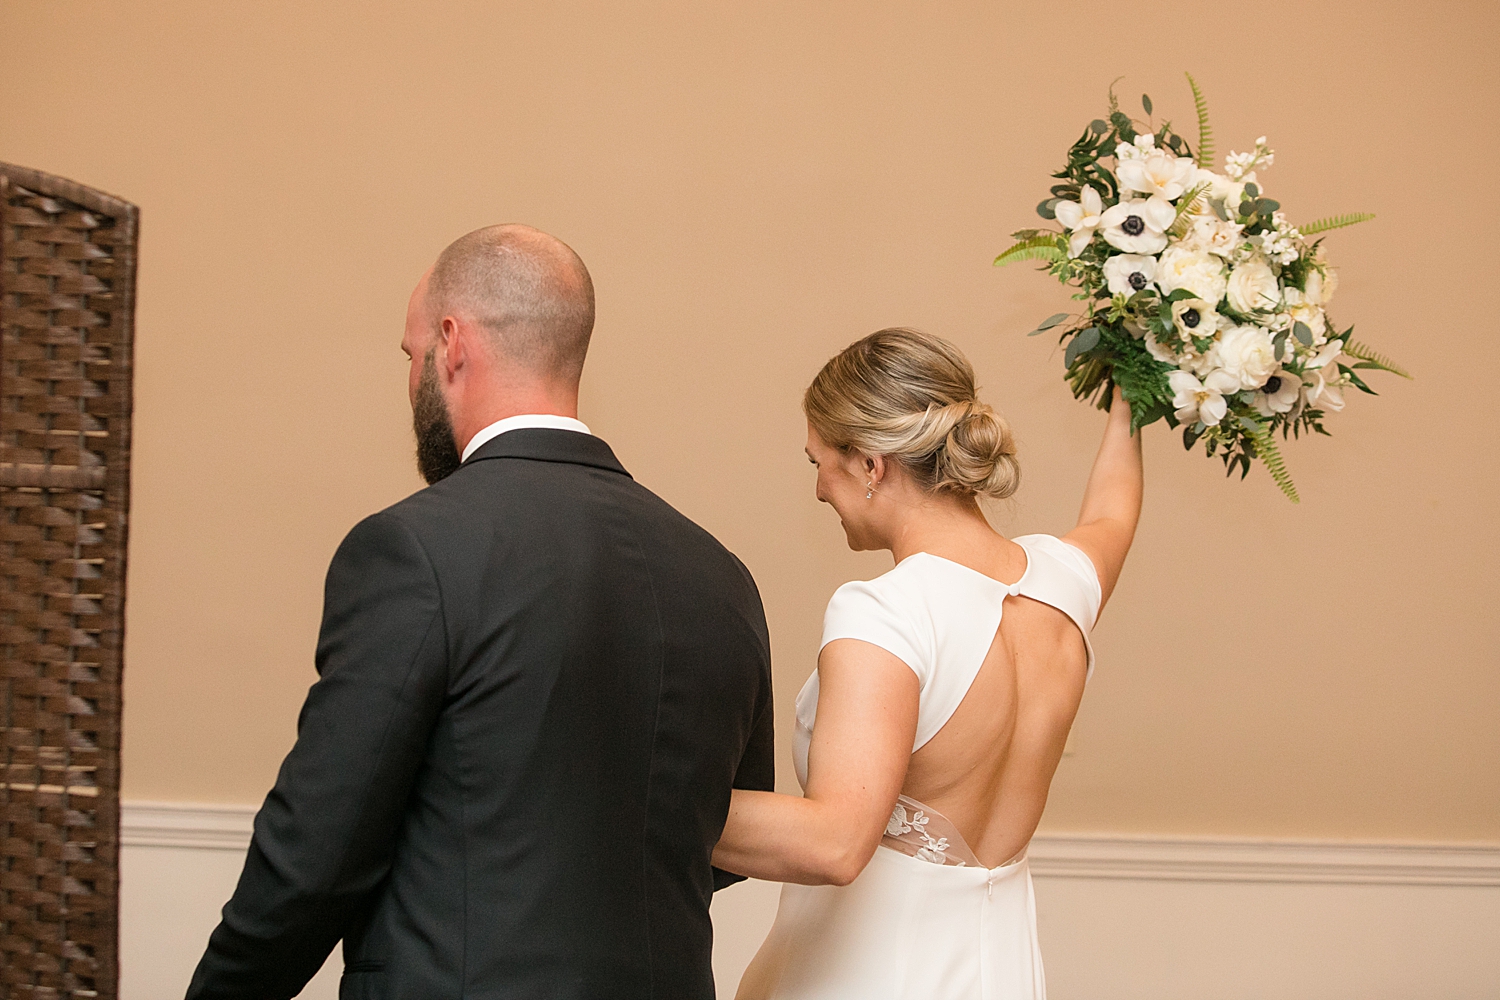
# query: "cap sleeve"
[[862, 610]]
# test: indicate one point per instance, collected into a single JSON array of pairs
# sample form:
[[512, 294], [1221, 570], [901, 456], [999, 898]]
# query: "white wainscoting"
[[1121, 918]]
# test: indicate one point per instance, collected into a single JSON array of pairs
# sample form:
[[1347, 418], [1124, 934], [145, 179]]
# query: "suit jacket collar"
[[542, 444]]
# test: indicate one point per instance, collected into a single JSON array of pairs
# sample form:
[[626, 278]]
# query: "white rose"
[[1252, 286], [1321, 286], [1302, 309], [1219, 187], [1128, 273], [1214, 235], [1199, 272], [1247, 353]]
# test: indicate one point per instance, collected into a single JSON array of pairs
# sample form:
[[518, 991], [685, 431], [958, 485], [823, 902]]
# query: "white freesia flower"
[[1201, 400], [1248, 354], [1199, 272], [1323, 382], [1157, 173], [1279, 394], [1195, 318], [1301, 309], [1144, 143], [1213, 234], [1128, 273], [1252, 286], [1321, 285], [1139, 226], [1082, 217]]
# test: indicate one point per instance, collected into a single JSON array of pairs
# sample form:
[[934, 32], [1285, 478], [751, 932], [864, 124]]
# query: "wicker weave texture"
[[67, 289]]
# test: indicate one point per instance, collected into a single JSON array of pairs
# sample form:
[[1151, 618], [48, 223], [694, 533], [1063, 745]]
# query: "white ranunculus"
[[1279, 394], [1321, 286], [1160, 353], [1138, 226], [1201, 400], [1198, 271], [1248, 354], [1082, 217], [1302, 309], [1252, 286], [1213, 234], [1195, 318], [1157, 173], [1128, 273]]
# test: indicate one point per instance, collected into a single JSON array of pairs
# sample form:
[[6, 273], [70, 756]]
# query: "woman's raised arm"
[[1112, 499]]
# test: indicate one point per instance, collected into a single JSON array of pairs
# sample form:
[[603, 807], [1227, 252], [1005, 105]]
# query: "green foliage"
[[1045, 246], [1372, 359], [1205, 156], [1188, 203], [1335, 222], [1270, 455]]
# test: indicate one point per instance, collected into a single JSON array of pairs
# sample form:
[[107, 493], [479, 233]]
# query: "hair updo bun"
[[910, 397]]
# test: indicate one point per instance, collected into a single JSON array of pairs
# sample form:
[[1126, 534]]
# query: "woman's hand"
[[1112, 500], [867, 722]]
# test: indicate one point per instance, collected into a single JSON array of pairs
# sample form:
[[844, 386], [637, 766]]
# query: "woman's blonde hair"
[[910, 397]]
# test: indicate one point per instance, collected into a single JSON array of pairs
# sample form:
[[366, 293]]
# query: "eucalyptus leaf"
[[1051, 321], [1146, 103], [1253, 190], [1247, 209], [1217, 204], [1087, 339], [1045, 209], [1303, 333], [1265, 206], [1098, 126], [1280, 344]]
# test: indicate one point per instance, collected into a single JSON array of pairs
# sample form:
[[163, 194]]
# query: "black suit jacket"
[[537, 684]]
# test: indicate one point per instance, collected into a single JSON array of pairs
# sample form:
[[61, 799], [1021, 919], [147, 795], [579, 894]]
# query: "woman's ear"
[[875, 468]]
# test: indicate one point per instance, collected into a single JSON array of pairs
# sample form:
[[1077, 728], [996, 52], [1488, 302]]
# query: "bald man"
[[537, 685]]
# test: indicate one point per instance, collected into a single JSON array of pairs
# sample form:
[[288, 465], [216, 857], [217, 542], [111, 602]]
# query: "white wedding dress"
[[924, 919]]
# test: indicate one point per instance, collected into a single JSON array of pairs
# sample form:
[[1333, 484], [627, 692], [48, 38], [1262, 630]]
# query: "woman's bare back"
[[990, 767]]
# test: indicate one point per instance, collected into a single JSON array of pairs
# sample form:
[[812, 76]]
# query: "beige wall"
[[754, 186]]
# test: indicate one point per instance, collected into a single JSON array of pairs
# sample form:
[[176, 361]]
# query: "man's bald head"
[[527, 289]]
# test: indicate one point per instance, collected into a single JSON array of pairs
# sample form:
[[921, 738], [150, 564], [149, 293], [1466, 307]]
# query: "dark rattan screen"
[[67, 296]]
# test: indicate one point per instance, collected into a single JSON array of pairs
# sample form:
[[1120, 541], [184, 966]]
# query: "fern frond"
[[1205, 155], [1265, 447], [1335, 222], [1044, 247], [1185, 206], [1380, 361]]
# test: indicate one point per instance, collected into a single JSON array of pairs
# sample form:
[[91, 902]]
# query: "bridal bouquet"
[[1200, 301]]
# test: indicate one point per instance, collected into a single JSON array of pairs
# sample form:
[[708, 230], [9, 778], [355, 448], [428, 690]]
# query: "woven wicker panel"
[[67, 290]]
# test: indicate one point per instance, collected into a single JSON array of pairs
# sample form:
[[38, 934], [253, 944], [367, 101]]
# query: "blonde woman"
[[927, 737]]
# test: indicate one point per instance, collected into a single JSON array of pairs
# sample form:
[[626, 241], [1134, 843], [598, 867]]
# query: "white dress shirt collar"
[[551, 421]]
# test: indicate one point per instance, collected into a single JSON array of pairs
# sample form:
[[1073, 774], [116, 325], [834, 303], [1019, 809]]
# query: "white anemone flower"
[[1128, 273], [1195, 318], [1279, 394], [1083, 217], [1201, 400], [1157, 173], [1138, 226]]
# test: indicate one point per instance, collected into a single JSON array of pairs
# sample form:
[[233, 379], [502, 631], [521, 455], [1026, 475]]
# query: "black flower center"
[[1137, 280], [1133, 226], [1190, 318], [1273, 385]]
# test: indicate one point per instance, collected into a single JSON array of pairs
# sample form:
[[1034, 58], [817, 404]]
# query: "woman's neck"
[[950, 527]]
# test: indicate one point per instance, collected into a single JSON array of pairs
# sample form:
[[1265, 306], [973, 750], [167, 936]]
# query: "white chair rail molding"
[[1121, 917]]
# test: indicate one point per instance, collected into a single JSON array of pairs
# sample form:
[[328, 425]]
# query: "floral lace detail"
[[922, 833]]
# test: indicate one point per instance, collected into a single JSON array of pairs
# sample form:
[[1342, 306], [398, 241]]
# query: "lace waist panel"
[[923, 833]]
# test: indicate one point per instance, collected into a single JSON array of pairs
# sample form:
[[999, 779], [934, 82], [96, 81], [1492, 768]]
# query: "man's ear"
[[452, 346]]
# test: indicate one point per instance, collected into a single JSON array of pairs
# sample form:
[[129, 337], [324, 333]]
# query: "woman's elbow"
[[842, 865]]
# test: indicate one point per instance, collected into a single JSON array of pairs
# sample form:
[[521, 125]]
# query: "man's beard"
[[437, 454]]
